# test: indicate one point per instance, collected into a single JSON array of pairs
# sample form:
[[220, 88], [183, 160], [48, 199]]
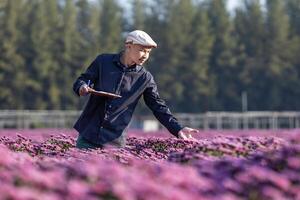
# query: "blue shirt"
[[104, 119]]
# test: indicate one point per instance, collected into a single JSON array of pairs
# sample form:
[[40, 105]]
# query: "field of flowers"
[[255, 165]]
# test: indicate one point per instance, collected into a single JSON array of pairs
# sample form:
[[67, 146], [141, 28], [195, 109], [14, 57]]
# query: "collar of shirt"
[[117, 60]]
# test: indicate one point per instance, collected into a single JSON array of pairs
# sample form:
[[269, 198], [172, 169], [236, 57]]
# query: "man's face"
[[138, 54]]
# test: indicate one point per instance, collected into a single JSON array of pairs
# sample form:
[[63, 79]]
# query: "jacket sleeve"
[[91, 73], [160, 109]]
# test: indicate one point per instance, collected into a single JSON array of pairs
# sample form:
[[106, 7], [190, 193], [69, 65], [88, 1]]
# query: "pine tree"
[[277, 54], [292, 89], [11, 62], [293, 11], [251, 39], [89, 29], [69, 51], [38, 57], [138, 10], [199, 86], [111, 26], [222, 61]]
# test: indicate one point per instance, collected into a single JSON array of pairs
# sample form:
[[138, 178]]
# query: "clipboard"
[[103, 94]]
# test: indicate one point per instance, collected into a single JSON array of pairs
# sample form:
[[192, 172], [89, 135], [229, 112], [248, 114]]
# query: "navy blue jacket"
[[104, 119]]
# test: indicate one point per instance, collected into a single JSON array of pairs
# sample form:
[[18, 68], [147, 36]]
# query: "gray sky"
[[232, 4]]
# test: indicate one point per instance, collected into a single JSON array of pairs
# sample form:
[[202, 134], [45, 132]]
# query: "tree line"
[[206, 56]]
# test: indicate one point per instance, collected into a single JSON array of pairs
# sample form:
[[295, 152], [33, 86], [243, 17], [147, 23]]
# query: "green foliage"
[[138, 11], [277, 53], [223, 61], [293, 11], [68, 57], [206, 56], [198, 81], [11, 62], [251, 40], [111, 26]]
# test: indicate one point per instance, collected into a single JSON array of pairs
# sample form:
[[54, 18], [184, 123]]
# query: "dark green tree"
[[198, 82], [68, 62], [293, 11], [293, 86], [11, 62], [111, 26], [205, 56], [88, 28], [222, 61], [39, 55], [277, 54], [138, 11], [251, 40]]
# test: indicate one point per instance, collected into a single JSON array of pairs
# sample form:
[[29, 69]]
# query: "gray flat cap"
[[140, 37]]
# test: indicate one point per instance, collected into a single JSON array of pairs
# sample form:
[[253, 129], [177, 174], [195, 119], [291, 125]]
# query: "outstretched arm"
[[163, 113]]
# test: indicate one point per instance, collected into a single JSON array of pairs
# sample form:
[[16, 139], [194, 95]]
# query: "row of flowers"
[[222, 167]]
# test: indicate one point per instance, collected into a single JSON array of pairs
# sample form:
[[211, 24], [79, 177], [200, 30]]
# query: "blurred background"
[[219, 64]]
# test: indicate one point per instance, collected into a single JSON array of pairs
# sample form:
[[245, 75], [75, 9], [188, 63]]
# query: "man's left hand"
[[186, 133]]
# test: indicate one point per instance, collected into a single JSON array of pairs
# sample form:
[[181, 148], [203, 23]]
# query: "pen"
[[89, 81]]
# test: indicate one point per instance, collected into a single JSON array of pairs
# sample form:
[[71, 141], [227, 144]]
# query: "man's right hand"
[[84, 90], [186, 133]]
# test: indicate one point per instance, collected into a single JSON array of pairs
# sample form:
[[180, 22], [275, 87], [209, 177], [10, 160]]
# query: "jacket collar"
[[117, 61]]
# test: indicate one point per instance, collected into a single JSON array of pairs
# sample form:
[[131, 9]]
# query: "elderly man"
[[104, 119]]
